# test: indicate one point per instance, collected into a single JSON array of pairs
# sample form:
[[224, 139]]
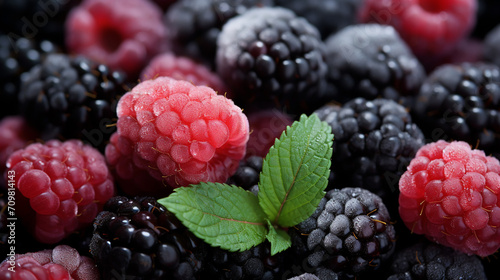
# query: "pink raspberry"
[[61, 263], [451, 194], [182, 68], [431, 28], [178, 134], [15, 134], [123, 34], [265, 126], [61, 186]]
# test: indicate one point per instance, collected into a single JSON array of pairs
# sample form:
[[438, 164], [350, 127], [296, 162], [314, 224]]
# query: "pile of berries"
[[109, 106]]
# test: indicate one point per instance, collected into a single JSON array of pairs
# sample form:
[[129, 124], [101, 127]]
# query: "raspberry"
[[329, 16], [370, 61], [60, 187], [429, 261], [176, 133], [194, 25], [350, 233], [140, 239], [15, 134], [431, 28], [449, 193], [271, 57], [183, 68], [97, 29], [68, 97], [461, 102], [59, 263], [265, 127]]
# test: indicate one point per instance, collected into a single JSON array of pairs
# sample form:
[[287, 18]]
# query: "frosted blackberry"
[[247, 174], [139, 239], [255, 263], [427, 260], [66, 97], [271, 56], [16, 57], [329, 16], [370, 61], [350, 233], [194, 25], [374, 142], [461, 102]]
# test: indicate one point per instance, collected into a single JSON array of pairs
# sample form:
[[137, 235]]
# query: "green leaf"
[[295, 172], [224, 216], [279, 239]]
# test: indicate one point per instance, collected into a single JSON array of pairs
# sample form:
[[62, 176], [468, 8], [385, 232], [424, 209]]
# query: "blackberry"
[[255, 263], [139, 239], [374, 143], [35, 19], [17, 57], [350, 233], [461, 102], [426, 260], [72, 97], [370, 61], [247, 174], [270, 56], [329, 16], [194, 25]]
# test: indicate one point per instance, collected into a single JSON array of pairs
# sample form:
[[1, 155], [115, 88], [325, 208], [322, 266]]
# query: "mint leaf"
[[295, 172], [279, 239], [224, 216]]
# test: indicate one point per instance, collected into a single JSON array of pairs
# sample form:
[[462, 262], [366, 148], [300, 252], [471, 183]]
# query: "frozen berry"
[[450, 194], [123, 34], [60, 187], [178, 134]]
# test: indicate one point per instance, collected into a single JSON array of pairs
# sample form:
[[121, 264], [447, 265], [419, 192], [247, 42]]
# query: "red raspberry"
[[14, 134], [182, 68], [176, 133], [123, 34], [431, 28], [451, 194], [265, 127], [60, 263], [61, 187]]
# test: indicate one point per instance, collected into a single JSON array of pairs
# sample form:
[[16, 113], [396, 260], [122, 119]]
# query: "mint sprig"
[[292, 182]]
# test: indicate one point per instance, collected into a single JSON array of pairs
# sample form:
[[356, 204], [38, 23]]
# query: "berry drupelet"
[[374, 142], [72, 97], [370, 61], [350, 233], [194, 25], [140, 239], [429, 261], [461, 102], [272, 57], [247, 174]]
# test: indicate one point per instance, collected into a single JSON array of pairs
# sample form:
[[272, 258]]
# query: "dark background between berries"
[[32, 29]]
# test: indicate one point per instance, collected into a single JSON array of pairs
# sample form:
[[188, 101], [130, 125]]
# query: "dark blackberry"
[[248, 172], [35, 19], [350, 233], [271, 56], [374, 143], [491, 46], [461, 102], [426, 260], [194, 25], [72, 97], [140, 239], [17, 57], [253, 264], [370, 61], [329, 16]]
